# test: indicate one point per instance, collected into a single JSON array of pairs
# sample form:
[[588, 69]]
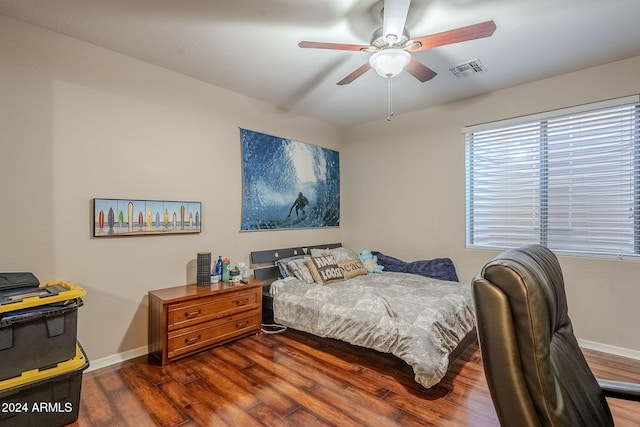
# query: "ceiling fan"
[[392, 45]]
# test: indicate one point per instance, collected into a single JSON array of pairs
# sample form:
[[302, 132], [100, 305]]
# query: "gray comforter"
[[418, 319]]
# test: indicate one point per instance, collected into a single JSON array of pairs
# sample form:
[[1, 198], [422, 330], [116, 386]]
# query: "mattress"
[[418, 319]]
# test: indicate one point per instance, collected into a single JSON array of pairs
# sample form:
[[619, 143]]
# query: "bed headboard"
[[263, 262]]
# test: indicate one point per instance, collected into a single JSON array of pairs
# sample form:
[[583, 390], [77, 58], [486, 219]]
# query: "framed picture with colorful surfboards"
[[134, 217]]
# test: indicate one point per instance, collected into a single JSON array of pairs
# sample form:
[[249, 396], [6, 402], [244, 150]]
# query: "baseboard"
[[611, 349], [117, 358]]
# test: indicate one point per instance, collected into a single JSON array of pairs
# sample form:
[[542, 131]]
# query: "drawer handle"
[[191, 340], [242, 301], [242, 324], [191, 314]]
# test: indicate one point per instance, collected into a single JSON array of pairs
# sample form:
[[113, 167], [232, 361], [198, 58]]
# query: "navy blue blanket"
[[437, 268]]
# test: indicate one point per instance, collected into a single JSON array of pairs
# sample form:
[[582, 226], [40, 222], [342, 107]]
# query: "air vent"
[[468, 69]]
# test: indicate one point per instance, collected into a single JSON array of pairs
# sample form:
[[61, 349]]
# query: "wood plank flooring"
[[295, 379]]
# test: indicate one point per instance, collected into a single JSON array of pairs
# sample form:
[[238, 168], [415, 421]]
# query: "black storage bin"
[[37, 337], [47, 398]]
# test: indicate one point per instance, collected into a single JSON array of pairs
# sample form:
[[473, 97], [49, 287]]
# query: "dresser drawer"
[[188, 313], [184, 320], [202, 335]]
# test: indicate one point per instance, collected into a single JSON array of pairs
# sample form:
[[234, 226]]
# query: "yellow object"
[[73, 364], [72, 291]]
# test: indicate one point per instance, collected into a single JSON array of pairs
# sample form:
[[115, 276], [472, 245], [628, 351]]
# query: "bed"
[[419, 319]]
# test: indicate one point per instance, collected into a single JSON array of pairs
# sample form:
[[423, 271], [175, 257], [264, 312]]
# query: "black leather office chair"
[[536, 372]]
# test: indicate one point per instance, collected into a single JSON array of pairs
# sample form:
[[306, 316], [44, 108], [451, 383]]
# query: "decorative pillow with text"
[[352, 268], [324, 269]]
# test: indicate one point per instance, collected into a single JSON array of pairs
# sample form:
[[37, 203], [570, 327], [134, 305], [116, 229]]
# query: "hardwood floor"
[[295, 379]]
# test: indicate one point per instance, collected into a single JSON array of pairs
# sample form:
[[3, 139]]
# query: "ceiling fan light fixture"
[[389, 62]]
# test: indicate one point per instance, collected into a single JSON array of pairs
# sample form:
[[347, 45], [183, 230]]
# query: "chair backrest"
[[536, 372]]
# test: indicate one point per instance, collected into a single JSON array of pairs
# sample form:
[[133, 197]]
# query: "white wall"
[[79, 122], [406, 182]]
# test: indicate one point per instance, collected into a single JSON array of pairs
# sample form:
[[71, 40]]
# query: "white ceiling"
[[250, 46]]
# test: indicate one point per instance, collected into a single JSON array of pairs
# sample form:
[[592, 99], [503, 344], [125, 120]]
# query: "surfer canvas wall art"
[[288, 184], [124, 217]]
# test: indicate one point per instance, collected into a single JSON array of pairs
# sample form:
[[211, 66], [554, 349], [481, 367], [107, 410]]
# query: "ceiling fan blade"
[[471, 32], [335, 46], [395, 16], [420, 71], [357, 73]]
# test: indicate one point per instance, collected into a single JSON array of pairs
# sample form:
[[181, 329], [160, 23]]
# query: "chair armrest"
[[620, 389]]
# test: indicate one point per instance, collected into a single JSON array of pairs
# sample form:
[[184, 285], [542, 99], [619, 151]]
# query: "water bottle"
[[217, 271], [225, 270]]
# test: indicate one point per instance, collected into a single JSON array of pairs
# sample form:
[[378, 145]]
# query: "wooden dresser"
[[184, 320]]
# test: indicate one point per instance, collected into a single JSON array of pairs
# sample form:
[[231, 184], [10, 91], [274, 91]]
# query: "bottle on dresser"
[[217, 271]]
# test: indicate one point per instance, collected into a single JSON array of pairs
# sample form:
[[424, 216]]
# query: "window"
[[569, 180]]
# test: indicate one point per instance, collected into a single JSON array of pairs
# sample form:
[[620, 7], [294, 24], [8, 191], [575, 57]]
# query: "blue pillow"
[[437, 268]]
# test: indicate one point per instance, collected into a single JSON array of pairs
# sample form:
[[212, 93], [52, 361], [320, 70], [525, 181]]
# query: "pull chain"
[[390, 108]]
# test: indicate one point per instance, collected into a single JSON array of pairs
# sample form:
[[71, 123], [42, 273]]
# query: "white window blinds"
[[569, 180]]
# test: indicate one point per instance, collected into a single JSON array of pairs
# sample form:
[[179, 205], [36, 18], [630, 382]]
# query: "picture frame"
[[288, 184], [136, 217]]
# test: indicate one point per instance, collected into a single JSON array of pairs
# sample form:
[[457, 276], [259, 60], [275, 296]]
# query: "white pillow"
[[339, 254]]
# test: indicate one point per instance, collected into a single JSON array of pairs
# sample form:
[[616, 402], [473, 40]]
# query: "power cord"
[[272, 328]]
